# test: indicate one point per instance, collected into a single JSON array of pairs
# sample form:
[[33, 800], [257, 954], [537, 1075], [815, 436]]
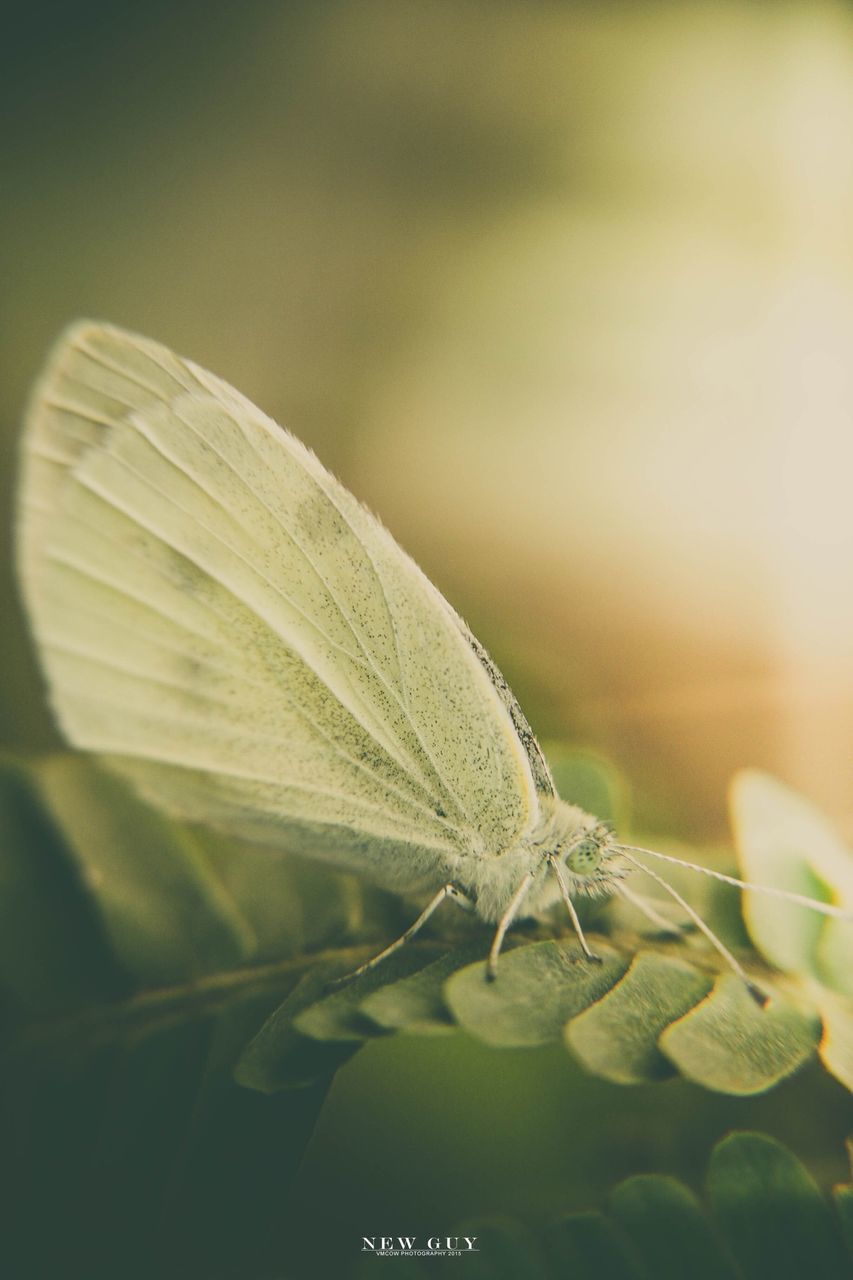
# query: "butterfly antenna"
[[825, 908], [642, 904], [755, 991]]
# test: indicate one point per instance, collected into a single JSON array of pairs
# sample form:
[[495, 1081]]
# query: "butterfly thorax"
[[582, 845]]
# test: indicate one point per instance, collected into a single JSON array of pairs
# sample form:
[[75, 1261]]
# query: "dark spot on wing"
[[319, 519]]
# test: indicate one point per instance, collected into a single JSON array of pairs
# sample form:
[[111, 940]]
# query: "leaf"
[[416, 1003], [280, 1057], [288, 906], [729, 1043], [164, 912], [771, 1214], [668, 1229], [339, 1016], [54, 955], [617, 1036], [539, 987], [591, 781], [314, 1032], [769, 1220], [785, 842]]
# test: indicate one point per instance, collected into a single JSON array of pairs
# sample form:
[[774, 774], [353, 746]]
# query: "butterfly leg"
[[504, 923], [447, 891], [556, 867]]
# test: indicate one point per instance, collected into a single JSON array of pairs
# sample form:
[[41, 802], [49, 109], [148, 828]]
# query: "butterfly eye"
[[585, 858]]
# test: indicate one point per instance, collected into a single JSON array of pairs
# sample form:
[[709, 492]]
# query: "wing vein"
[[98, 357], [76, 411], [97, 659], [163, 757], [112, 500], [448, 790], [358, 661], [62, 558]]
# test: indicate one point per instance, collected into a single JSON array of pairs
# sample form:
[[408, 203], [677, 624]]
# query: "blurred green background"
[[564, 292]]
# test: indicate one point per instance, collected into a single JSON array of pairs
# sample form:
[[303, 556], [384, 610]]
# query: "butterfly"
[[227, 627]]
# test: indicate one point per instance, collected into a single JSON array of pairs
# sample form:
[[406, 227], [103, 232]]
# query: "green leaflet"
[[539, 987], [592, 782], [417, 1003], [617, 1037], [771, 1214], [54, 955], [765, 1218], [730, 1044], [338, 1014], [280, 1057], [666, 1226], [164, 911], [784, 841]]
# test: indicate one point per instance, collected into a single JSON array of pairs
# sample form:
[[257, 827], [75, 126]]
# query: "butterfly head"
[[591, 857]]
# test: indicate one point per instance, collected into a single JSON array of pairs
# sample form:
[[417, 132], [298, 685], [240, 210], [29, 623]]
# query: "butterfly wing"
[[219, 618]]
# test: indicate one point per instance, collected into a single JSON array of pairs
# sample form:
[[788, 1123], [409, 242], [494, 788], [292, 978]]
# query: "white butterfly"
[[224, 624]]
